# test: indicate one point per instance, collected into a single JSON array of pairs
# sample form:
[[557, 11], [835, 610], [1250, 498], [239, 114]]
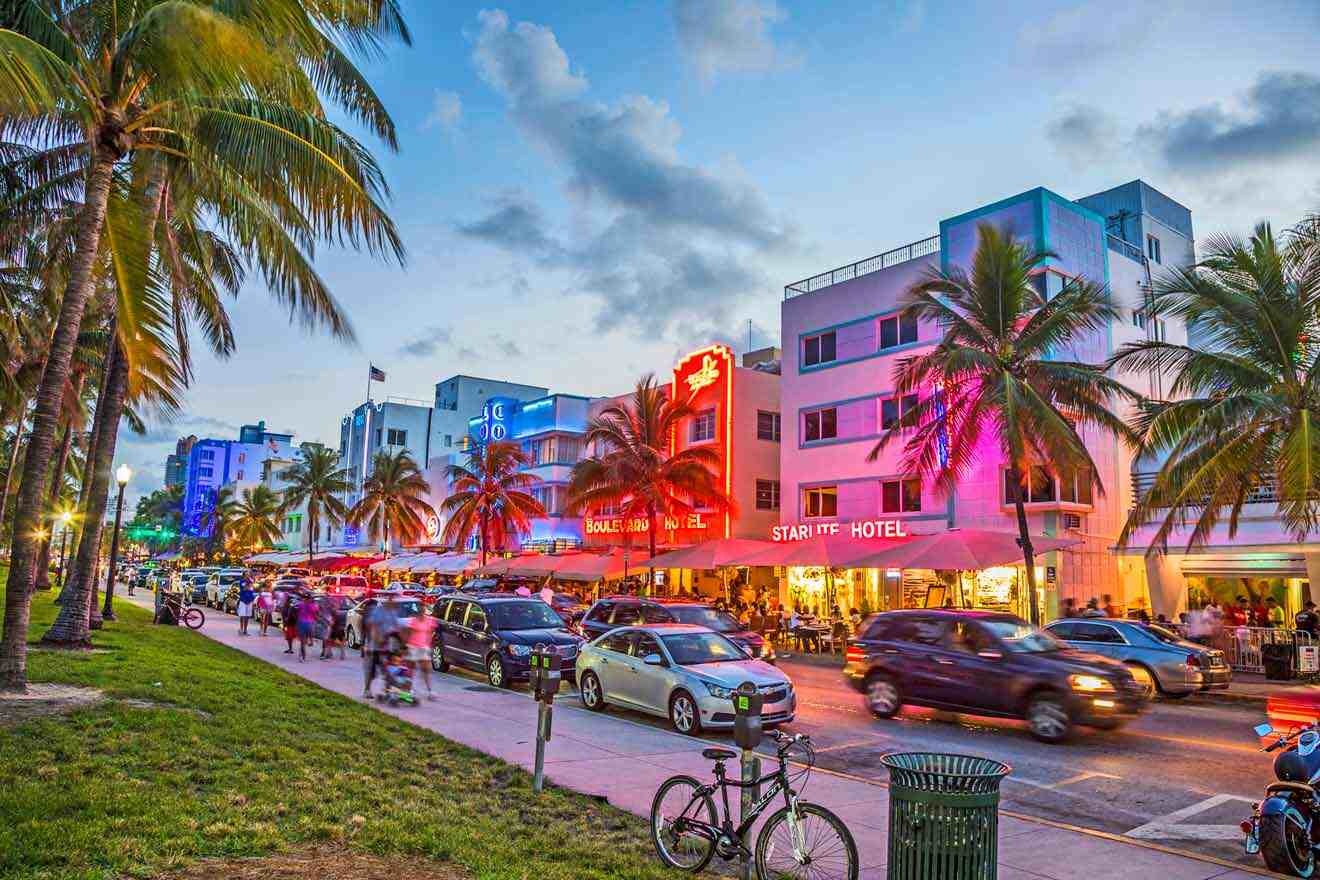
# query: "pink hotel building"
[[843, 337]]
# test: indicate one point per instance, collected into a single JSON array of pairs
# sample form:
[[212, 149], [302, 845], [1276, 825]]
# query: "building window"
[[823, 424], [378, 436], [206, 455], [767, 494], [900, 496], [205, 472], [396, 437], [819, 349], [1153, 249], [894, 409], [1044, 488], [820, 501], [703, 426], [898, 330], [767, 425], [449, 440]]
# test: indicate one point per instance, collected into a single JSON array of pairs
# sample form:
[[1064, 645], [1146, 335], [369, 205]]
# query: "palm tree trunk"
[[650, 528], [1024, 539], [70, 580], [483, 537], [56, 481], [45, 422], [70, 629], [13, 458]]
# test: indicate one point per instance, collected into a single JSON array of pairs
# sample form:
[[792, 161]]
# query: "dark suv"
[[494, 633], [615, 611], [987, 664]]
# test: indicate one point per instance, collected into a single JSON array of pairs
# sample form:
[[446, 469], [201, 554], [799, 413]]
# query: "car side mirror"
[[1264, 730], [653, 660], [989, 654]]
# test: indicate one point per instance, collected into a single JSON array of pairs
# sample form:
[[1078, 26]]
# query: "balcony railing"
[[1126, 248], [864, 267], [1265, 493]]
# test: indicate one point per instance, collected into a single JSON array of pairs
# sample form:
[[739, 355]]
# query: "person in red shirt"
[[1260, 615]]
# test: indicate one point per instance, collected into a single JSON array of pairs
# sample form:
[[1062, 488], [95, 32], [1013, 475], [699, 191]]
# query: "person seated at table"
[[855, 618]]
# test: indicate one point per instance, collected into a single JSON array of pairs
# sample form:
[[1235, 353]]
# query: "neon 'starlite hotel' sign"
[[867, 528]]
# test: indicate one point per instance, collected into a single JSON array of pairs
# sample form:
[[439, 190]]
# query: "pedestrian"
[[325, 619], [382, 626], [1092, 608], [246, 597], [524, 591], [420, 636], [1307, 620], [1111, 610], [1069, 607], [289, 619], [1260, 614], [547, 595], [339, 626], [1273, 613], [308, 615], [1139, 611], [265, 604]]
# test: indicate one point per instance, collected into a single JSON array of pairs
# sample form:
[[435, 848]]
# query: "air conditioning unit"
[[1072, 521]]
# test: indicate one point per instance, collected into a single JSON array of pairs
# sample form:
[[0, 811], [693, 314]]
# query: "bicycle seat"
[[718, 754]]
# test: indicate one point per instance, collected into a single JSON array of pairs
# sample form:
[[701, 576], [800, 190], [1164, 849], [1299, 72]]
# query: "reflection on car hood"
[[1081, 663], [732, 673], [745, 636], [555, 636]]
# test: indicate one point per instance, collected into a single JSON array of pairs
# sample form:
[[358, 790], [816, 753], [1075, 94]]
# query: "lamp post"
[[122, 476], [65, 518]]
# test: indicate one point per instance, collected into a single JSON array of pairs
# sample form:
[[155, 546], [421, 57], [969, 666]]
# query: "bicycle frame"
[[779, 778]]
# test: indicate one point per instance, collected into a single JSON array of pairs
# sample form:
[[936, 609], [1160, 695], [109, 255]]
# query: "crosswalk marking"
[[1172, 826]]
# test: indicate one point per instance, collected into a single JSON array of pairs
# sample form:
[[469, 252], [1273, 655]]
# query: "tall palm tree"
[[489, 498], [1001, 384], [635, 469], [256, 520], [319, 484], [392, 500], [1245, 407], [220, 521]]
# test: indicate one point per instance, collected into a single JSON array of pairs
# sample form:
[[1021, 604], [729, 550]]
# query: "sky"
[[588, 190]]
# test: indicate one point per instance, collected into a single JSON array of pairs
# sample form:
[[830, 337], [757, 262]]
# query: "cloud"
[[911, 15], [1083, 36], [648, 225], [182, 426], [730, 36], [1085, 135], [1278, 118], [428, 342], [446, 113]]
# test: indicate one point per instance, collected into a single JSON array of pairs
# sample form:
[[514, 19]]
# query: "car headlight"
[[716, 691], [519, 650], [1089, 683], [768, 653]]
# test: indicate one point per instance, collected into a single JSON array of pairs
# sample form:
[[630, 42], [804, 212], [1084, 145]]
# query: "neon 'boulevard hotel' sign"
[[867, 528]]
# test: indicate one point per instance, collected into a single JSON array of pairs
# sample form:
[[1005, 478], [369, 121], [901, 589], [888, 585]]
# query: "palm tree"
[[220, 521], [256, 520], [635, 469], [391, 502], [1246, 409], [488, 496], [319, 484], [1000, 382]]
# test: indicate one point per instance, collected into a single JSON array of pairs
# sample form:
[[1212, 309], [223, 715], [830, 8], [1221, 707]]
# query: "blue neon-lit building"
[[214, 463]]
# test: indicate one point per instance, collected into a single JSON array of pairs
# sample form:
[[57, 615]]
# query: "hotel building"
[[216, 463], [844, 337]]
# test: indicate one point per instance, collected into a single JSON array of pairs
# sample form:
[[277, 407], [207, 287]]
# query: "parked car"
[[355, 632], [1161, 661], [615, 611], [986, 663], [193, 582], [217, 586], [495, 633], [569, 607], [681, 672], [480, 585], [352, 585]]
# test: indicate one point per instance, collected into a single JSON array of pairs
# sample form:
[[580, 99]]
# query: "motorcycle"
[[1283, 828]]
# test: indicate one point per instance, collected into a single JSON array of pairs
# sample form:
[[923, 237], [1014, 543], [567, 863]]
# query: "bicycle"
[[799, 840], [190, 615]]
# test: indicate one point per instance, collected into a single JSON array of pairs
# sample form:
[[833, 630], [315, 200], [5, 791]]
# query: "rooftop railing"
[[1126, 248], [864, 267], [1267, 492]]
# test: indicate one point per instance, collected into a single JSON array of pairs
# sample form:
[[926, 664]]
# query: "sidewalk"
[[612, 756]]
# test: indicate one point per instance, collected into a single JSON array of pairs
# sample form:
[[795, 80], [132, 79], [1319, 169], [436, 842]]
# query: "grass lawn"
[[200, 751]]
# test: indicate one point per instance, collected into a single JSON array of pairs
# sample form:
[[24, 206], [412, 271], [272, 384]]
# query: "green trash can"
[[943, 816]]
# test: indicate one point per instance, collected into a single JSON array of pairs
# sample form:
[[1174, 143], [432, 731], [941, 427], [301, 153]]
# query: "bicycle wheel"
[[681, 798], [193, 618], [827, 852]]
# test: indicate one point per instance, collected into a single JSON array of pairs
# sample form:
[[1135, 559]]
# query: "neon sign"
[[495, 418], [432, 526], [866, 528], [636, 525], [705, 376]]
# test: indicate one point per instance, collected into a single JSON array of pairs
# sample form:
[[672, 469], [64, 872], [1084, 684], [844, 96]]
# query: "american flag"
[[377, 374]]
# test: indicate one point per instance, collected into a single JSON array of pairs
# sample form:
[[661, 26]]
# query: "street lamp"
[[65, 518], [122, 476]]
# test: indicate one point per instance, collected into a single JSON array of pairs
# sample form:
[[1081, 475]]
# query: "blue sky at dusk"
[[587, 190]]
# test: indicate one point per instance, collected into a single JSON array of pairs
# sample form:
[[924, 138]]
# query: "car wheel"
[[438, 661], [882, 696], [495, 672], [1048, 719], [590, 691], [684, 715], [1145, 678]]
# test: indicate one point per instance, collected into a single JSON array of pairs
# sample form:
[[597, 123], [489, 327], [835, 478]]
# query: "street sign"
[[1308, 658]]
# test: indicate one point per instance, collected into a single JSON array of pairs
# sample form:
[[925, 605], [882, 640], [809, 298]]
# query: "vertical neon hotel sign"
[[705, 371]]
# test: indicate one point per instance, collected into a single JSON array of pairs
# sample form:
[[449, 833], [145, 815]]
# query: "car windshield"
[[523, 615], [1021, 637], [692, 649], [1164, 635], [700, 615]]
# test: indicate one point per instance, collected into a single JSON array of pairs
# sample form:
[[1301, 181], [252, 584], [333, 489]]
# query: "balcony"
[[864, 267], [1266, 493], [1126, 248]]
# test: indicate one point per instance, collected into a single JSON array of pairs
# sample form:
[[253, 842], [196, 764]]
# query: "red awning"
[[344, 563], [959, 550], [835, 551], [714, 554]]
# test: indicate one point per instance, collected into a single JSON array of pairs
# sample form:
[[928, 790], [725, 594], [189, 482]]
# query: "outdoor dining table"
[[808, 636]]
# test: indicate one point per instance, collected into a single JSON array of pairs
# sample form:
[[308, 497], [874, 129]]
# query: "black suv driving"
[[616, 611], [987, 664], [494, 633]]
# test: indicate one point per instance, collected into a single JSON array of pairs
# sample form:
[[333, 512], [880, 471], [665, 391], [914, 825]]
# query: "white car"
[[217, 586]]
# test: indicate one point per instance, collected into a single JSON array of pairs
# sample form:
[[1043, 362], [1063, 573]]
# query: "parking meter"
[[747, 716], [546, 674]]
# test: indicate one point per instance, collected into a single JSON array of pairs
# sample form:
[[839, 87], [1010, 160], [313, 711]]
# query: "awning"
[[959, 550], [443, 563], [343, 563], [395, 563], [581, 566], [713, 554], [834, 551], [1259, 565]]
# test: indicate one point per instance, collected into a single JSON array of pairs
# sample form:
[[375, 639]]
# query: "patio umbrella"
[[713, 554], [959, 550], [830, 551]]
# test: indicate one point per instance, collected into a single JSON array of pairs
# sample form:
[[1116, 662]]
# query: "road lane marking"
[[852, 745], [1055, 786], [1171, 826]]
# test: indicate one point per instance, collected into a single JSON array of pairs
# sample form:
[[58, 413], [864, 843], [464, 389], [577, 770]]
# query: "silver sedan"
[[684, 673]]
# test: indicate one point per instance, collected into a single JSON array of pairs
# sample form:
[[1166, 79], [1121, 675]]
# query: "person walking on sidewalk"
[[244, 610], [382, 626], [265, 605], [419, 636], [308, 614], [289, 619]]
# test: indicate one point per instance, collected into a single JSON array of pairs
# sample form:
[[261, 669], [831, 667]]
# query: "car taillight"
[[855, 654], [1194, 661]]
